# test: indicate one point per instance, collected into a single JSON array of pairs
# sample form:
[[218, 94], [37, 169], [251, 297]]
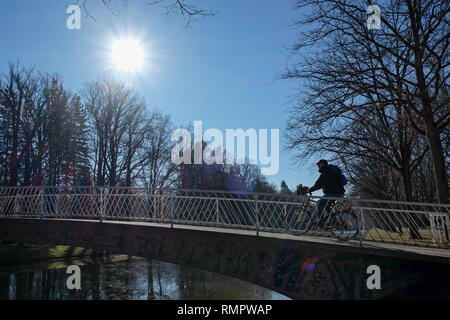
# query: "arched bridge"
[[254, 237]]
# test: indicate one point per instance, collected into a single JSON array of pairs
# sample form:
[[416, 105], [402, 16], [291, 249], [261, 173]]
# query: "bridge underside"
[[299, 269]]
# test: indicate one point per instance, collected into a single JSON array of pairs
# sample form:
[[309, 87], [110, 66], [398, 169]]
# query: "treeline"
[[103, 135], [377, 100]]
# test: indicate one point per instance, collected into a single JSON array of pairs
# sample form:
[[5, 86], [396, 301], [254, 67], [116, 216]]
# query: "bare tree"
[[158, 169], [41, 127], [188, 11], [114, 113], [16, 90], [138, 127], [354, 75]]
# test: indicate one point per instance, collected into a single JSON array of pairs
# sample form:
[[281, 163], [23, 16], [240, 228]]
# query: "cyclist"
[[331, 185]]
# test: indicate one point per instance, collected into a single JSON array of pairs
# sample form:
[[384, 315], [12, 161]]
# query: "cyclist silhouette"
[[331, 185]]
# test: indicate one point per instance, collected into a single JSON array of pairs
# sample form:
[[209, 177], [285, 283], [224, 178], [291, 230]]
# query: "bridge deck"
[[390, 249], [377, 248]]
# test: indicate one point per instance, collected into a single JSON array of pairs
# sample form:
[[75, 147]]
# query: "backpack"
[[338, 170]]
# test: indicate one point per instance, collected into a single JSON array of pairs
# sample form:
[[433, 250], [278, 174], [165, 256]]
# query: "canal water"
[[122, 277]]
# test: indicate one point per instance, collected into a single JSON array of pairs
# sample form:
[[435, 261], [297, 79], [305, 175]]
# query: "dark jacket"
[[329, 181]]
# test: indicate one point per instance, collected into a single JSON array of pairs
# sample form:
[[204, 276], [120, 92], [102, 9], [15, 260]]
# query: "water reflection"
[[123, 277]]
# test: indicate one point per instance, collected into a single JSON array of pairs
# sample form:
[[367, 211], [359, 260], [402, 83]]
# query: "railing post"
[[171, 209], [361, 225], [257, 215], [217, 212], [16, 204], [41, 206], [164, 201], [446, 221], [56, 203], [286, 227], [101, 204]]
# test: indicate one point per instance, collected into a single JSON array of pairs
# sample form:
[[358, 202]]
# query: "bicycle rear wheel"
[[347, 226]]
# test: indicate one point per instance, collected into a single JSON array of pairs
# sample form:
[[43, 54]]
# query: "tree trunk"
[[432, 134], [27, 161], [437, 156], [407, 184], [14, 161]]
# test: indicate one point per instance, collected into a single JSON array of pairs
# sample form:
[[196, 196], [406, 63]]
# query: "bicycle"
[[338, 218]]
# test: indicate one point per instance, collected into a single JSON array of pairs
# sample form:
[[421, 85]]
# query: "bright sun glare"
[[127, 55]]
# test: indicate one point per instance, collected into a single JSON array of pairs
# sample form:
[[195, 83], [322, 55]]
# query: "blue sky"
[[221, 70]]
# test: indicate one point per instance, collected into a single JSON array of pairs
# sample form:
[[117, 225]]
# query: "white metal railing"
[[422, 224]]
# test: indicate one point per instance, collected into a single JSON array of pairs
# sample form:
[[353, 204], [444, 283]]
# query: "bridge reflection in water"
[[255, 237]]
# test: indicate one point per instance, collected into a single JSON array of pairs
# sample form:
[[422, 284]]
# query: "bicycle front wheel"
[[347, 226]]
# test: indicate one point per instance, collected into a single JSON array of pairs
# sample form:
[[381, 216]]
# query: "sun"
[[127, 55]]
